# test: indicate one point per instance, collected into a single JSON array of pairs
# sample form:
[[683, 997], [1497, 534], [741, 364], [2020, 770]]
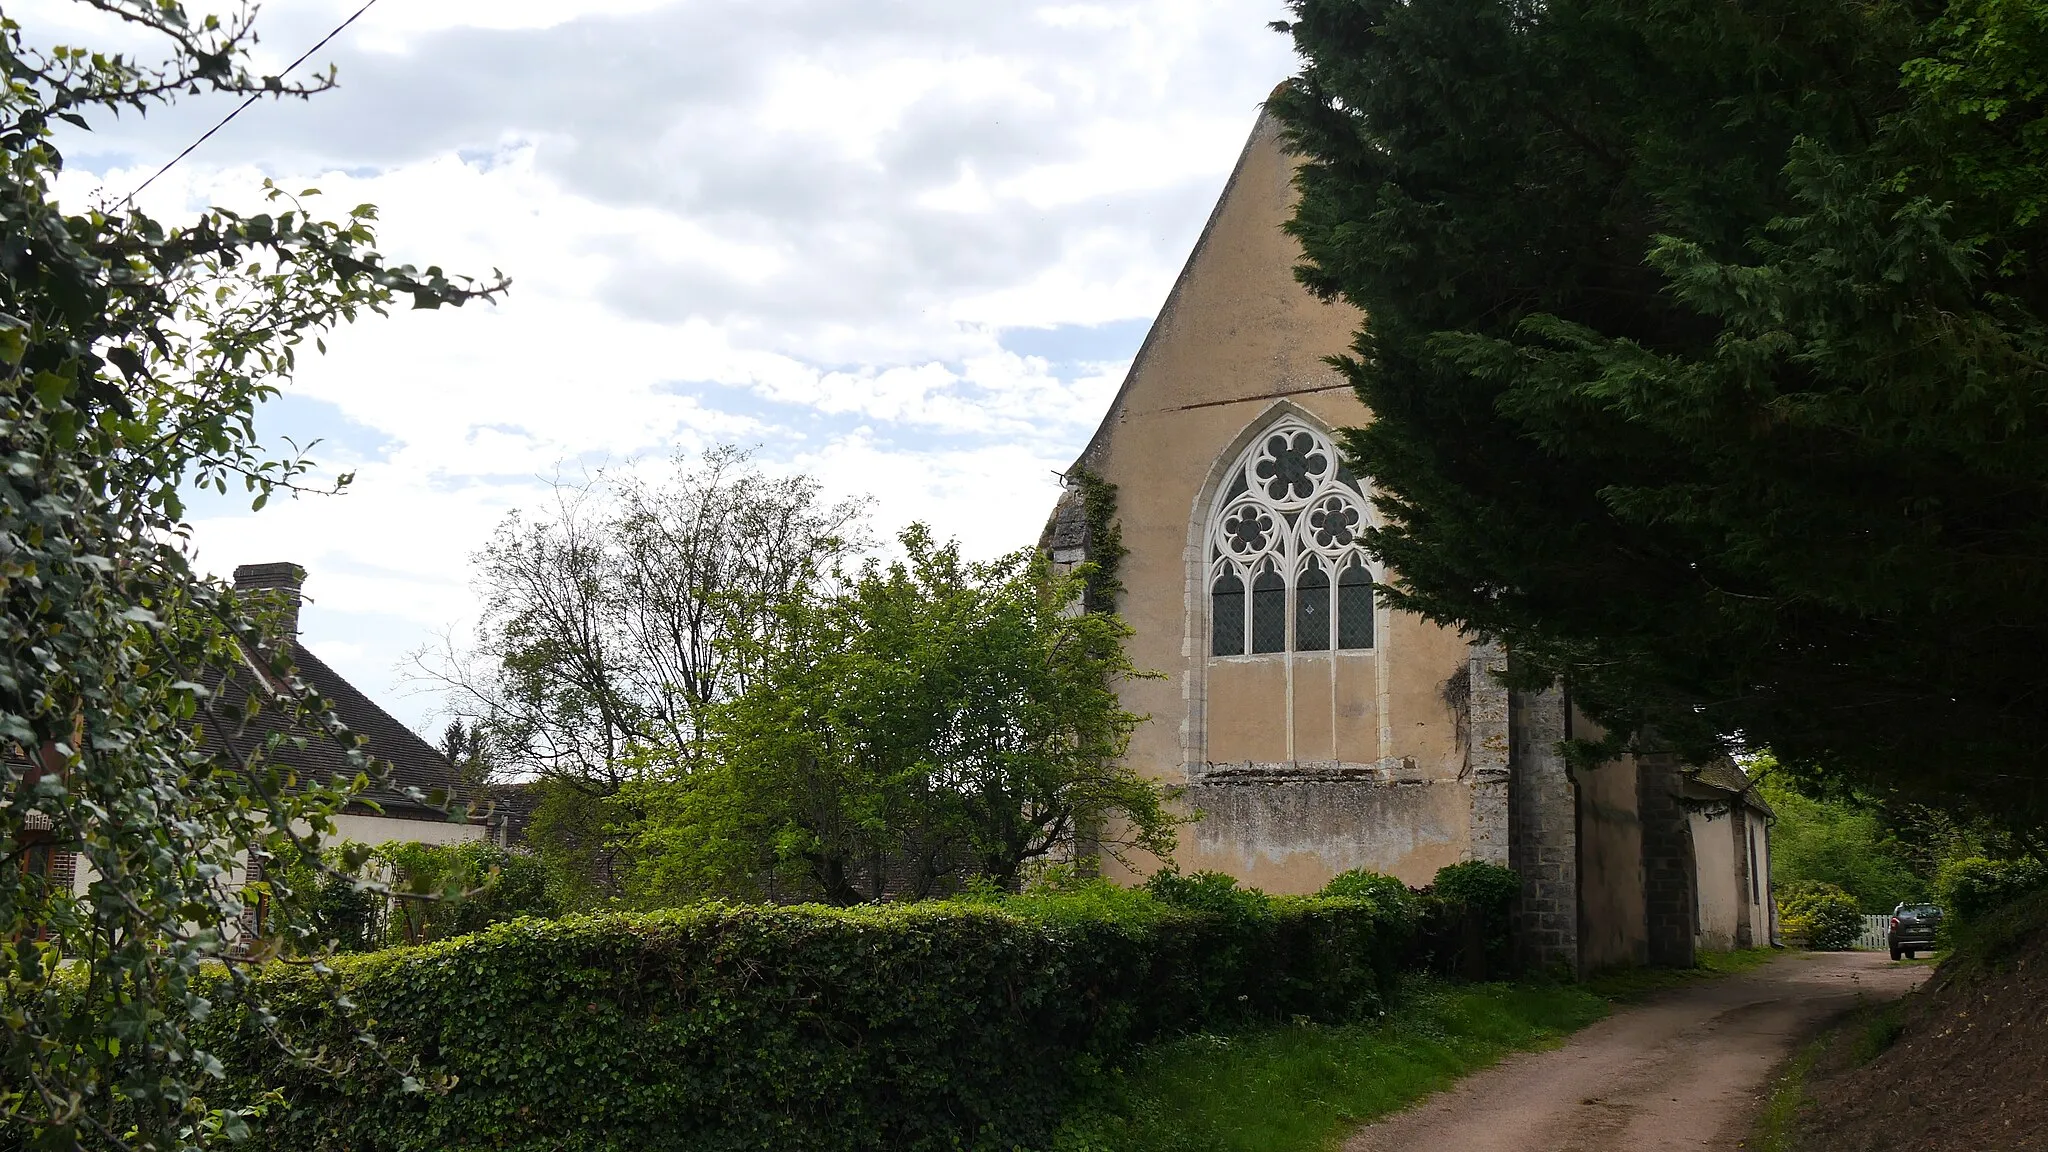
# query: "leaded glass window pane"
[[1226, 610], [1354, 606], [1312, 609], [1289, 528], [1269, 612]]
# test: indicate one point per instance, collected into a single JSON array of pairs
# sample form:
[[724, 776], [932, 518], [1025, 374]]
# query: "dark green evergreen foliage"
[[468, 748], [1707, 356], [907, 1027]]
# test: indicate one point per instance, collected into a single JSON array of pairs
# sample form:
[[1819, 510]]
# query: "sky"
[[908, 247]]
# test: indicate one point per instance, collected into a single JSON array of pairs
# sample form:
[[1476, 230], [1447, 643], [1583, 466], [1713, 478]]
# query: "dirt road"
[[1682, 1071]]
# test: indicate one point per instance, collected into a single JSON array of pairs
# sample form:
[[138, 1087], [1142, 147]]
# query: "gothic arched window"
[[1286, 530]]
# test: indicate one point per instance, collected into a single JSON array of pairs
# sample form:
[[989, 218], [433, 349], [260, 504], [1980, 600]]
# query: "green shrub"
[[1465, 921], [1216, 892], [1825, 915], [1480, 885], [1970, 887], [925, 1026], [443, 890], [1375, 888]]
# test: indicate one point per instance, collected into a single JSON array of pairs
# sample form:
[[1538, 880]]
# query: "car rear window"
[[1921, 909]]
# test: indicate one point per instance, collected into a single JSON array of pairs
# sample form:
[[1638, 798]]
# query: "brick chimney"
[[282, 577]]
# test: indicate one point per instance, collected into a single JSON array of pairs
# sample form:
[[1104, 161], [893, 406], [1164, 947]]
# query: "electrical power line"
[[253, 97]]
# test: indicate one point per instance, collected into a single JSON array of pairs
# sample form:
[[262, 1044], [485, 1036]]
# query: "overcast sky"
[[907, 246]]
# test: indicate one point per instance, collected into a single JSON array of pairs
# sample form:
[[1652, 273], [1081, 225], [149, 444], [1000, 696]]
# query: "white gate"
[[1876, 934]]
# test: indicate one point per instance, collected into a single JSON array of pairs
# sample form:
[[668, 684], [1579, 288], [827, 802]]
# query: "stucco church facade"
[[1314, 729]]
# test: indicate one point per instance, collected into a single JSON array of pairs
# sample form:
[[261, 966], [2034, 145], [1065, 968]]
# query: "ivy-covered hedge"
[[933, 1026]]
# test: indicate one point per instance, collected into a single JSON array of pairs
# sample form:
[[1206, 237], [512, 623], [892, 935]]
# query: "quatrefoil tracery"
[[1290, 512]]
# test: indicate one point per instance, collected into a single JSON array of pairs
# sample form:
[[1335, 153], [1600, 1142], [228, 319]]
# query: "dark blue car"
[[1912, 929]]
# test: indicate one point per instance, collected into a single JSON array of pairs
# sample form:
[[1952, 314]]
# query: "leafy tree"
[[1971, 886], [586, 841], [1707, 358], [133, 357], [1840, 843], [615, 622], [937, 720]]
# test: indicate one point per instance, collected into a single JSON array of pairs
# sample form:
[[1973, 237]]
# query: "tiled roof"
[[1725, 776], [414, 762]]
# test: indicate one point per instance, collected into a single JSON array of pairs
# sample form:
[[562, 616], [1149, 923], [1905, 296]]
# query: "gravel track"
[[1685, 1070]]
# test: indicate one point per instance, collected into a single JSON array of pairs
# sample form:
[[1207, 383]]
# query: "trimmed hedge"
[[930, 1026], [1461, 926]]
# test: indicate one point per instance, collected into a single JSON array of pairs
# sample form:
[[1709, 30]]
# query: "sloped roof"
[[1265, 131], [414, 762], [1726, 777]]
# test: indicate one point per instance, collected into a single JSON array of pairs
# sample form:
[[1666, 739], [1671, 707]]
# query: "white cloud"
[[803, 224]]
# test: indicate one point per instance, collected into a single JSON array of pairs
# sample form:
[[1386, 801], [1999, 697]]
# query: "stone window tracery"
[[1282, 539]]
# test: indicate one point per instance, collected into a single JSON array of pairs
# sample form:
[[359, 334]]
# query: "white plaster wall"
[[1721, 906], [1762, 910], [374, 830]]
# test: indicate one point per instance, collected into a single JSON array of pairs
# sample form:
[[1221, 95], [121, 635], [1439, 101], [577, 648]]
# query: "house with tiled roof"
[[383, 814], [380, 815]]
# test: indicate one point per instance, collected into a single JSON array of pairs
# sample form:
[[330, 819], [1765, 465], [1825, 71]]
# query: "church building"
[[1314, 729]]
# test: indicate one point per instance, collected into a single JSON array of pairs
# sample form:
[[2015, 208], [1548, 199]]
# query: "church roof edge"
[[1266, 124]]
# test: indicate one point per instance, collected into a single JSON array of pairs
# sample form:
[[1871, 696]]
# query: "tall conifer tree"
[[1705, 344]]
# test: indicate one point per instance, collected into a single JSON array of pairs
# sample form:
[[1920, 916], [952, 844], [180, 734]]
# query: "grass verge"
[[1777, 1124], [1626, 985], [1851, 1042], [1298, 1088]]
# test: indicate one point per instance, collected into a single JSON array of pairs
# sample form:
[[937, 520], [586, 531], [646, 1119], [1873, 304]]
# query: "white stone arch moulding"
[[1277, 504]]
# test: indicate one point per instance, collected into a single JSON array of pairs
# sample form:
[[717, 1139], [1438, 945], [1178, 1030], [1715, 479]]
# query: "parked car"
[[1912, 929]]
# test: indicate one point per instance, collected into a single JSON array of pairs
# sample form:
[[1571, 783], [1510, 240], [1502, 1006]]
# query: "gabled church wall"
[[1397, 751], [1303, 763]]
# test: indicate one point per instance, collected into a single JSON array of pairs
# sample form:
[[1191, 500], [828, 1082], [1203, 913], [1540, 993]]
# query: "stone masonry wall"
[[1668, 895], [1543, 827], [1488, 753], [1738, 820]]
